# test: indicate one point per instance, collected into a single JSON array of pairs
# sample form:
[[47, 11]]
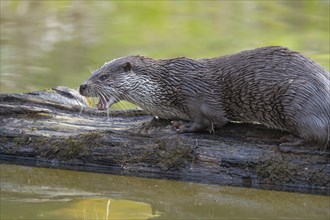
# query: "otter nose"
[[82, 88]]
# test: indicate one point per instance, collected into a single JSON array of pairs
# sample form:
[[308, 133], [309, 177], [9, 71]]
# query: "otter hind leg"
[[314, 130], [291, 140]]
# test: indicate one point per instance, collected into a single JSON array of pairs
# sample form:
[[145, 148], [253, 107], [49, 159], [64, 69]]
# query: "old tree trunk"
[[55, 128]]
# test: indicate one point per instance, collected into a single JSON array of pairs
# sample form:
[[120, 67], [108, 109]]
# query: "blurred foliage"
[[50, 43]]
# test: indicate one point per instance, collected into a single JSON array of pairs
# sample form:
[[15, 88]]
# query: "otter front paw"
[[188, 127], [179, 125]]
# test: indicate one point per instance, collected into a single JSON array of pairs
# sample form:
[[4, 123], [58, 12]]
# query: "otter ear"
[[127, 66]]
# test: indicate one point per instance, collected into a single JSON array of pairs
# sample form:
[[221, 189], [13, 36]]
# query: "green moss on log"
[[174, 154]]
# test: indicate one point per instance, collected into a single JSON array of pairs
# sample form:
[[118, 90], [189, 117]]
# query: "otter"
[[274, 86]]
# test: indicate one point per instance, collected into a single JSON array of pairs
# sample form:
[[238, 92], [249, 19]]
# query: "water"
[[40, 193], [50, 43]]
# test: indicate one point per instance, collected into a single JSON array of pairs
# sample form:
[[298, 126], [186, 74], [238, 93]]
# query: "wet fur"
[[273, 86]]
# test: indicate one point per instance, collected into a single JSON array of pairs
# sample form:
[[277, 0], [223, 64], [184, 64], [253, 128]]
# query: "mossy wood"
[[56, 128]]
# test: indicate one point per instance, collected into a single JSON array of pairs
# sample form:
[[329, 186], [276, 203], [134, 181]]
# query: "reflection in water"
[[98, 208], [59, 194], [39, 196], [78, 208]]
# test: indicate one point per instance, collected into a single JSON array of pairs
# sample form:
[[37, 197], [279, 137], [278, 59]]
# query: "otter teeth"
[[104, 103]]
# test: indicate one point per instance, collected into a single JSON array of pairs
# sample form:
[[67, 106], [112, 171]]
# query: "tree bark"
[[56, 128]]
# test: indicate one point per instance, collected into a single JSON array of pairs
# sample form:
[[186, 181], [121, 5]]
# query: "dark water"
[[40, 193], [49, 43]]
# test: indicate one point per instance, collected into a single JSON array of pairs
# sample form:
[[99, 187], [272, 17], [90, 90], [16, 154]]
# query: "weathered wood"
[[55, 128]]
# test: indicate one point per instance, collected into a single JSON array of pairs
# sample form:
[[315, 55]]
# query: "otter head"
[[111, 82]]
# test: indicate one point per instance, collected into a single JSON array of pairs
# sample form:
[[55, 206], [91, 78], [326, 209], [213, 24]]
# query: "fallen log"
[[56, 128]]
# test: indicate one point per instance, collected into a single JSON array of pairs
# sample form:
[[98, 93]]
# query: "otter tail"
[[315, 130], [315, 122]]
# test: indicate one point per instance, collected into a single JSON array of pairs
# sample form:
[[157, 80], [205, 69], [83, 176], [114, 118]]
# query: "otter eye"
[[127, 66], [104, 77]]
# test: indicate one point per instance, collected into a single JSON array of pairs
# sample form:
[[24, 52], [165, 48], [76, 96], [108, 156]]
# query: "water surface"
[[50, 43], [41, 193]]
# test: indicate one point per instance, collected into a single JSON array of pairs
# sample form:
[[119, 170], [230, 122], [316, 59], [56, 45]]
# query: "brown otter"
[[273, 86]]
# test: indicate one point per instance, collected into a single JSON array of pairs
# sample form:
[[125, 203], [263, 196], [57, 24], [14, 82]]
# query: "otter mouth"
[[105, 102]]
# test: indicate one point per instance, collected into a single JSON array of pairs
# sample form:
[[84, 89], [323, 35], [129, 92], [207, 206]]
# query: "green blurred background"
[[49, 43]]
